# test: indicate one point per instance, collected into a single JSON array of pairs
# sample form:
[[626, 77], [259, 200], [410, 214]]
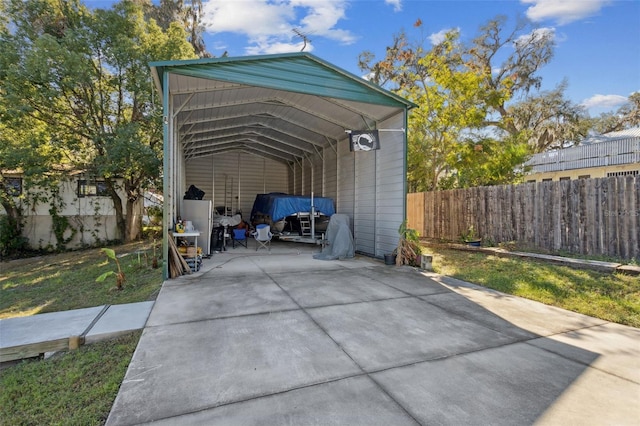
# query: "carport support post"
[[166, 219]]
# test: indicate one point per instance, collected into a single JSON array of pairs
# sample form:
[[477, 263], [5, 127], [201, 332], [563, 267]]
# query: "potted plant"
[[409, 250], [470, 237]]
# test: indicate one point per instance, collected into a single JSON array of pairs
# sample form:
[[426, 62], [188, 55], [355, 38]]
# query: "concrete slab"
[[618, 347], [406, 279], [213, 297], [189, 367], [119, 319], [389, 345], [595, 398], [42, 327], [458, 305], [509, 385], [334, 287], [278, 264], [397, 332], [535, 317], [353, 401]]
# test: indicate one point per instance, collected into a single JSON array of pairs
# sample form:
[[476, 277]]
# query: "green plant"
[[120, 278], [60, 225], [409, 247], [155, 214], [11, 240], [469, 235]]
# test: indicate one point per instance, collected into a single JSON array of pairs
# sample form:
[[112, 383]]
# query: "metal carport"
[[256, 124]]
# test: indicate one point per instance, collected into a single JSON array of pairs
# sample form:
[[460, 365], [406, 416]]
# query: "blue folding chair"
[[240, 237]]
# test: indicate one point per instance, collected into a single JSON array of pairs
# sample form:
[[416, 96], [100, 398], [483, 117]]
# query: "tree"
[[485, 90], [552, 121], [452, 99], [186, 13], [84, 75], [627, 116]]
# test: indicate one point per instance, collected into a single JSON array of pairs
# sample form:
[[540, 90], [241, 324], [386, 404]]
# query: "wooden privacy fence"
[[584, 216]]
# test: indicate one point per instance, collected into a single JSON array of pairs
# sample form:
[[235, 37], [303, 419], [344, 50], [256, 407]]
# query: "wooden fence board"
[[585, 216]]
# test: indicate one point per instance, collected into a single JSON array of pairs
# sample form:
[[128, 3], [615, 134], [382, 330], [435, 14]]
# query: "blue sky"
[[598, 41]]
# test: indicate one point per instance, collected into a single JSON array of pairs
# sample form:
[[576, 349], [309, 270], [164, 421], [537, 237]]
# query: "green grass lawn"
[[68, 280], [74, 388], [612, 297]]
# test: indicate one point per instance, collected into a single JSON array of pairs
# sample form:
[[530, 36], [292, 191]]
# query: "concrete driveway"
[[281, 338]]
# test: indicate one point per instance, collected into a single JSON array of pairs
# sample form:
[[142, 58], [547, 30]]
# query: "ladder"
[[305, 224], [228, 195]]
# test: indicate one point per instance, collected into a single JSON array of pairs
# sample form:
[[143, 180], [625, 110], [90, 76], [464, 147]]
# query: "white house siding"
[[92, 217]]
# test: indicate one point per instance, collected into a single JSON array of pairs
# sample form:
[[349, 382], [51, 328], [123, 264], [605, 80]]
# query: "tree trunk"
[[134, 219], [14, 213], [117, 205]]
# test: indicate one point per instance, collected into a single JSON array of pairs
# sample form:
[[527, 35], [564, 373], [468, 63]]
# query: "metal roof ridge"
[[226, 59]]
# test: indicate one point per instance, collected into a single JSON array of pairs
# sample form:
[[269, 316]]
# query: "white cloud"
[[271, 45], [437, 38], [536, 35], [604, 101], [563, 11], [268, 24], [397, 4]]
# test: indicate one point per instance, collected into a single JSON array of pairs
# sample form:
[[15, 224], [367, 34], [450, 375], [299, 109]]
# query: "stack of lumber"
[[177, 265]]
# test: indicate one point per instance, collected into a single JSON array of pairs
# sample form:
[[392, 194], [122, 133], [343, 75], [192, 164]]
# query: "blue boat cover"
[[279, 205]]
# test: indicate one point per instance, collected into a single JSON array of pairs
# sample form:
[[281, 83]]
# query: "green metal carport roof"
[[284, 107]]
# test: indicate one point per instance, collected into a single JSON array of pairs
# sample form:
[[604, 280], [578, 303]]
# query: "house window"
[[547, 180], [13, 186], [625, 173], [584, 177], [92, 188], [565, 178]]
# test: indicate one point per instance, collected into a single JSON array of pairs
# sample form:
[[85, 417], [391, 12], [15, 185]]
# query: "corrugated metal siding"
[[364, 219], [243, 175], [307, 175], [390, 190], [259, 176], [611, 153], [318, 175], [199, 172], [331, 174], [346, 180]]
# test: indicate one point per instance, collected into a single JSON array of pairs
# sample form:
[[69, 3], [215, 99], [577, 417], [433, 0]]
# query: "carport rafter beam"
[[256, 132], [317, 115], [241, 138], [199, 107], [274, 101], [231, 147], [348, 108], [333, 143], [253, 121], [260, 115], [183, 105], [229, 86], [254, 124]]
